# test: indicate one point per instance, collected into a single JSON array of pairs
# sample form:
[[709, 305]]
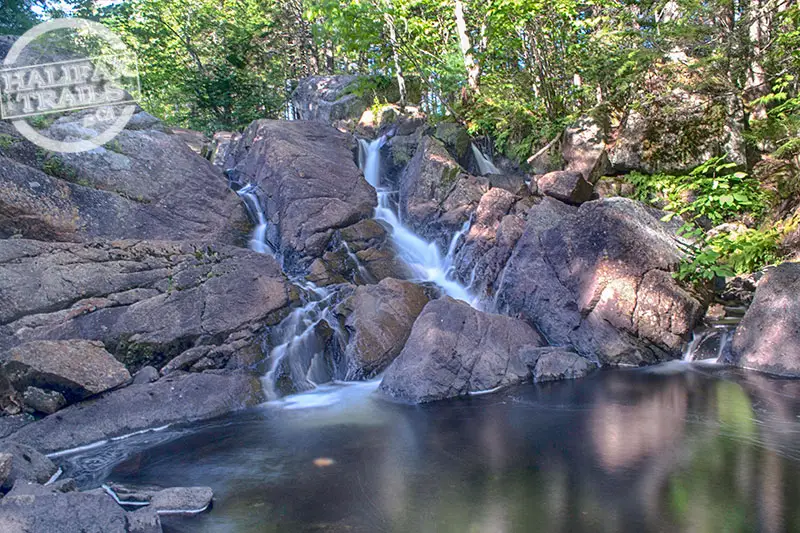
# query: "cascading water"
[[485, 166], [709, 343], [258, 240], [423, 257], [297, 360]]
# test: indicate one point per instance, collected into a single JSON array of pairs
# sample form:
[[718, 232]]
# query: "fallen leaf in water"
[[323, 462]]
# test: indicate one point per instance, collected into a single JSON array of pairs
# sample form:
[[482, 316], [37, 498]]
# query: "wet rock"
[[134, 187], [553, 364], [565, 185], [147, 302], [143, 521], [315, 186], [489, 242], [378, 319], [436, 195], [147, 374], [454, 350], [768, 337], [27, 464], [177, 398], [181, 500], [599, 278], [76, 369], [43, 401]]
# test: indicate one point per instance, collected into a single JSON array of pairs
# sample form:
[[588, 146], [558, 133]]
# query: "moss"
[[6, 141], [136, 355]]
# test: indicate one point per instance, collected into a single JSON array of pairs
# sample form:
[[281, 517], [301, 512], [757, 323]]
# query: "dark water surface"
[[675, 448]]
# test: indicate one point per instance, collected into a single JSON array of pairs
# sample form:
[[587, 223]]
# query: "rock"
[[221, 146], [610, 186], [134, 187], [147, 374], [457, 140], [144, 121], [584, 149], [328, 99], [27, 488], [195, 140], [768, 337], [565, 185], [436, 195], [455, 350], [553, 364], [177, 398], [147, 302], [73, 512], [143, 521], [378, 319], [173, 500], [598, 278], [27, 464], [315, 186], [182, 500], [489, 242], [6, 461], [76, 369], [44, 401]]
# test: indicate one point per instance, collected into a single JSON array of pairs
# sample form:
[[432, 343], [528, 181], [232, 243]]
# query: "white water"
[[485, 166], [700, 337], [423, 257], [258, 240]]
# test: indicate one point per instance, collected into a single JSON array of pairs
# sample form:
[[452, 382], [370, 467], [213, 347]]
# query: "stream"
[[679, 447]]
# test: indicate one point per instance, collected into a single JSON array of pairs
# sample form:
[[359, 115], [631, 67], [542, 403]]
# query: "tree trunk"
[[472, 67], [401, 82]]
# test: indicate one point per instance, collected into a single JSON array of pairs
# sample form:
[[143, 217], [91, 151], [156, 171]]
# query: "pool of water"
[[674, 448]]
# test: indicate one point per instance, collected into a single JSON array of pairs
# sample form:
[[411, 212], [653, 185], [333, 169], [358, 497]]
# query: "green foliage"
[[711, 193]]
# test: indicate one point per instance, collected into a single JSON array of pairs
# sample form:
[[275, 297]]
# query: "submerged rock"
[[455, 350], [75, 369], [768, 337], [378, 319], [177, 398], [598, 277]]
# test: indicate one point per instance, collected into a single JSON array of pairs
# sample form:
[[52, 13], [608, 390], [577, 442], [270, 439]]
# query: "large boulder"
[[768, 337], [76, 369], [565, 185], [310, 182], [583, 149], [555, 364], [328, 99], [436, 195], [145, 184], [378, 320], [147, 302], [598, 277], [455, 350], [177, 398]]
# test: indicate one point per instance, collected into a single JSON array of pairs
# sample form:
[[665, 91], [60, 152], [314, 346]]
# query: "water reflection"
[[684, 448]]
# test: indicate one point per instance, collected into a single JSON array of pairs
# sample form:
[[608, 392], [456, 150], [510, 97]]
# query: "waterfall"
[[485, 166], [423, 257], [258, 239], [709, 343]]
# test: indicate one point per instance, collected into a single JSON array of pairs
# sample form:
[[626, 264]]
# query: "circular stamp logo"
[[103, 88]]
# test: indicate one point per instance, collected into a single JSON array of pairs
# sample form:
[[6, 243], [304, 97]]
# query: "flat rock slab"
[[76, 368], [177, 398], [73, 512], [173, 500]]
